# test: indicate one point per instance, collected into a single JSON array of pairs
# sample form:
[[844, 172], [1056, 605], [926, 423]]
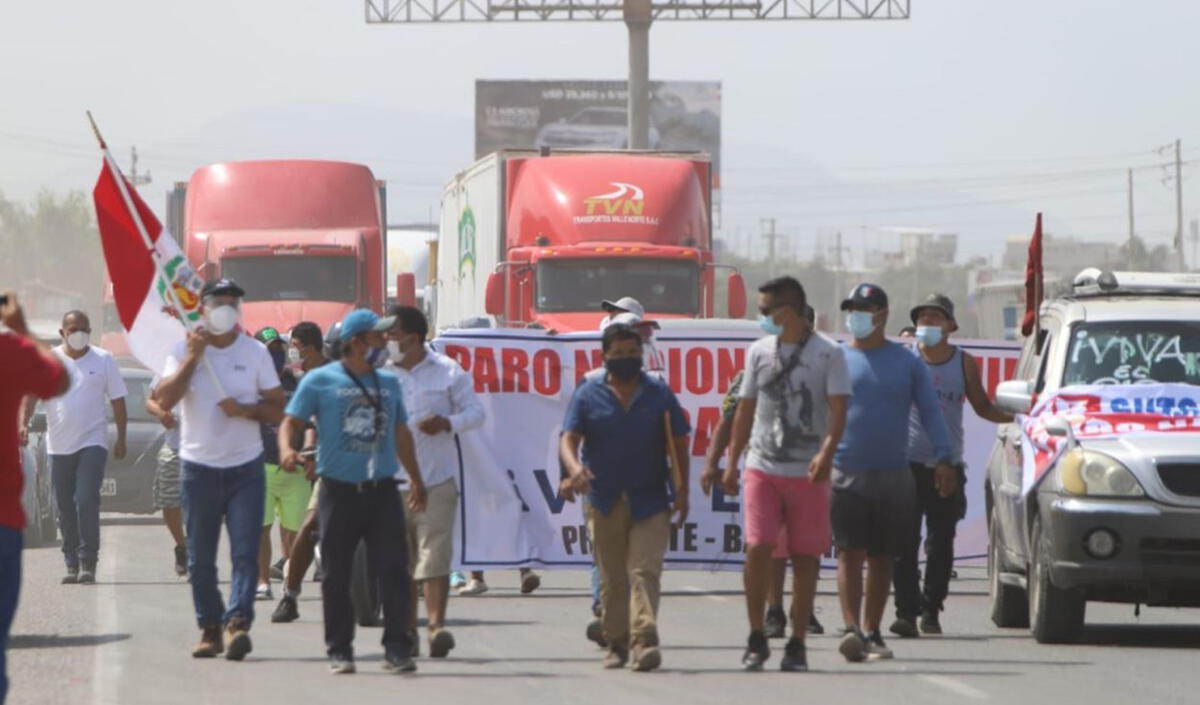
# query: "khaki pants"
[[629, 555]]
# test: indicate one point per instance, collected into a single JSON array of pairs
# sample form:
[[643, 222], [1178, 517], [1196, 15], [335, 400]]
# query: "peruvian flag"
[[143, 261]]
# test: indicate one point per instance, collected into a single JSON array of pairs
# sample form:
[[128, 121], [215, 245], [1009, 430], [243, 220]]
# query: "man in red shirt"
[[29, 368]]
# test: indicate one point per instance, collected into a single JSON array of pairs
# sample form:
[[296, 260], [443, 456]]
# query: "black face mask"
[[279, 357], [624, 368]]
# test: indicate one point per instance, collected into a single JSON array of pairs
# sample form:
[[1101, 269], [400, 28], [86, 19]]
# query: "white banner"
[[511, 516]]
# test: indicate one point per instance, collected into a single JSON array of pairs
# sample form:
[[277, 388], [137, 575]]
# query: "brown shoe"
[[646, 658], [530, 581], [210, 644], [237, 639], [616, 657], [440, 643]]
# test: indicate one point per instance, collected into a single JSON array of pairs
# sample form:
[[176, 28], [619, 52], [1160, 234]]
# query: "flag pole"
[[141, 228]]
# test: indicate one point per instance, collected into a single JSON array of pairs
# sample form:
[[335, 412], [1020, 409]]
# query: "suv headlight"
[[1086, 472]]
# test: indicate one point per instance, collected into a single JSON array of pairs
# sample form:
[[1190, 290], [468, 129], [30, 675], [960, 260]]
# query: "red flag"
[[1033, 280]]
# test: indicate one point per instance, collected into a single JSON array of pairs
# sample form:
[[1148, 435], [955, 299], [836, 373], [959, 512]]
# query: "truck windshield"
[[1134, 352], [293, 278], [662, 286]]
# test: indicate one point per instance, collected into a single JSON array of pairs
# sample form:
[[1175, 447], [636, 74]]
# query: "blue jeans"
[[236, 497], [77, 478], [10, 587]]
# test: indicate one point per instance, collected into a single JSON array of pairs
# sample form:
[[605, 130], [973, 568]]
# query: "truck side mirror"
[[493, 297], [1015, 396], [406, 289], [736, 286]]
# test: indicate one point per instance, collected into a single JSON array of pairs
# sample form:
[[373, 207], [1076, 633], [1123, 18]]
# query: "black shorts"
[[872, 510]]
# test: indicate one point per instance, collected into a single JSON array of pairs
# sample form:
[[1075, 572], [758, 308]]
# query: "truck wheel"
[[1010, 605], [1055, 614], [364, 590]]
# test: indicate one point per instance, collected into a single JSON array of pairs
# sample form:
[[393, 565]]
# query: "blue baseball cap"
[[362, 320]]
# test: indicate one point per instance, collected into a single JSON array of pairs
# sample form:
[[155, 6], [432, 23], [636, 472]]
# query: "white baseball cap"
[[625, 303]]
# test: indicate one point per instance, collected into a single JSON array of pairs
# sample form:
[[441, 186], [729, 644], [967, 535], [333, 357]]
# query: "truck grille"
[[1182, 479], [1183, 552]]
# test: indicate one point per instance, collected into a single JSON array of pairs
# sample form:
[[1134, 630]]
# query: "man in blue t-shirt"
[[620, 418], [361, 430], [873, 491]]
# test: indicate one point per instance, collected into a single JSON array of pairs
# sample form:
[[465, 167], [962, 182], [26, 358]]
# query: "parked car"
[[37, 496], [1113, 518], [128, 485], [591, 127]]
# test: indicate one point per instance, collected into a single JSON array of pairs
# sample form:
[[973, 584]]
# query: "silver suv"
[[1131, 532]]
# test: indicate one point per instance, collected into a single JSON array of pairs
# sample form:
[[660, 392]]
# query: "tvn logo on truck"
[[625, 205]]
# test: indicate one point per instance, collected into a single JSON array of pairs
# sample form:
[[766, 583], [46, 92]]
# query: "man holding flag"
[[222, 454]]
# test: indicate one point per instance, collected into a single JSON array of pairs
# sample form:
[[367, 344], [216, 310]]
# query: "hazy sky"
[[967, 118]]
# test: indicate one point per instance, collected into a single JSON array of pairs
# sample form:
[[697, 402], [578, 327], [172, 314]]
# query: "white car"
[[37, 497], [591, 127]]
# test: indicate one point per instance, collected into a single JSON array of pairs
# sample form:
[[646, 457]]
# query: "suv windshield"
[[1134, 352], [293, 278], [660, 285]]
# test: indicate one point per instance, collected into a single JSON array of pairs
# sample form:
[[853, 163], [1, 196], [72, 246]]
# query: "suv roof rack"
[[1094, 281]]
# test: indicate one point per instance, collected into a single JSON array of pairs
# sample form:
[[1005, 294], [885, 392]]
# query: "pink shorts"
[[790, 513]]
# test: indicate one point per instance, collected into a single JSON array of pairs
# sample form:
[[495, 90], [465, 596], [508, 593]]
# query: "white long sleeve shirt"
[[438, 386]]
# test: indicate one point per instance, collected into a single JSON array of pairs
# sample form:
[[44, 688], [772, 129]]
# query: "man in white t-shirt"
[[77, 443], [224, 383]]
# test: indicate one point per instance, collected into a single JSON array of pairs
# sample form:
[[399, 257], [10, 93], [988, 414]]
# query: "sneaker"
[[795, 656], [72, 575], [457, 580], [181, 561], [930, 623], [341, 665], [814, 625], [474, 586], [398, 663], [595, 632], [440, 643], [286, 611], [853, 647], [646, 658], [904, 628], [264, 592], [757, 652], [775, 625], [87, 574], [616, 657], [237, 639], [277, 569], [210, 644], [875, 647], [530, 581]]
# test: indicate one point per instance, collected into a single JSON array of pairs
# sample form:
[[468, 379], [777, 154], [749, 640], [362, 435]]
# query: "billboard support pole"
[[638, 19]]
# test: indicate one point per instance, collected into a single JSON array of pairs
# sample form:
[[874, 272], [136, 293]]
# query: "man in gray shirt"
[[791, 412]]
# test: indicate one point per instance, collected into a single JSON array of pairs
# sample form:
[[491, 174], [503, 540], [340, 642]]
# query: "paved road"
[[127, 640]]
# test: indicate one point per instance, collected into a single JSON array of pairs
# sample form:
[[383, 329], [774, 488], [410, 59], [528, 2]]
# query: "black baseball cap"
[[866, 295], [221, 287], [940, 302]]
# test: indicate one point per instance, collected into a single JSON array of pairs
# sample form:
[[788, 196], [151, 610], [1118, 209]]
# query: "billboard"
[[684, 116]]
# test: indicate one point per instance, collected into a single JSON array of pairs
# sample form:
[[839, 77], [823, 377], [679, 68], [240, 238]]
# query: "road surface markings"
[[700, 591], [955, 686]]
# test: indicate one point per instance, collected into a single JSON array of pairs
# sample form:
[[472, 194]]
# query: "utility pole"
[[837, 286], [1129, 254], [638, 15], [1179, 204], [134, 177], [1195, 242], [769, 234]]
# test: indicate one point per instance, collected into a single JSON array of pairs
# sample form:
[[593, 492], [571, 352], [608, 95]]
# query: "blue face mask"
[[861, 324], [377, 357], [769, 326], [929, 335]]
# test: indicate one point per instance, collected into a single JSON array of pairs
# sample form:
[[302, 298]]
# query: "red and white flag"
[[143, 261], [1033, 280]]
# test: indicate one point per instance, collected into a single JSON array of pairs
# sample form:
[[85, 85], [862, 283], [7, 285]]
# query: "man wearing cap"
[[874, 496], [287, 492], [225, 385], [955, 376], [361, 432], [625, 304]]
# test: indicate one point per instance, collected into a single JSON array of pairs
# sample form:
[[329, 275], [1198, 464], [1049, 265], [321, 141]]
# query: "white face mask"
[[78, 340], [221, 319], [294, 356]]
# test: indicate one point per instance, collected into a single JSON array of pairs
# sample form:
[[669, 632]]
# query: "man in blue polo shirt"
[[361, 430], [618, 418]]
